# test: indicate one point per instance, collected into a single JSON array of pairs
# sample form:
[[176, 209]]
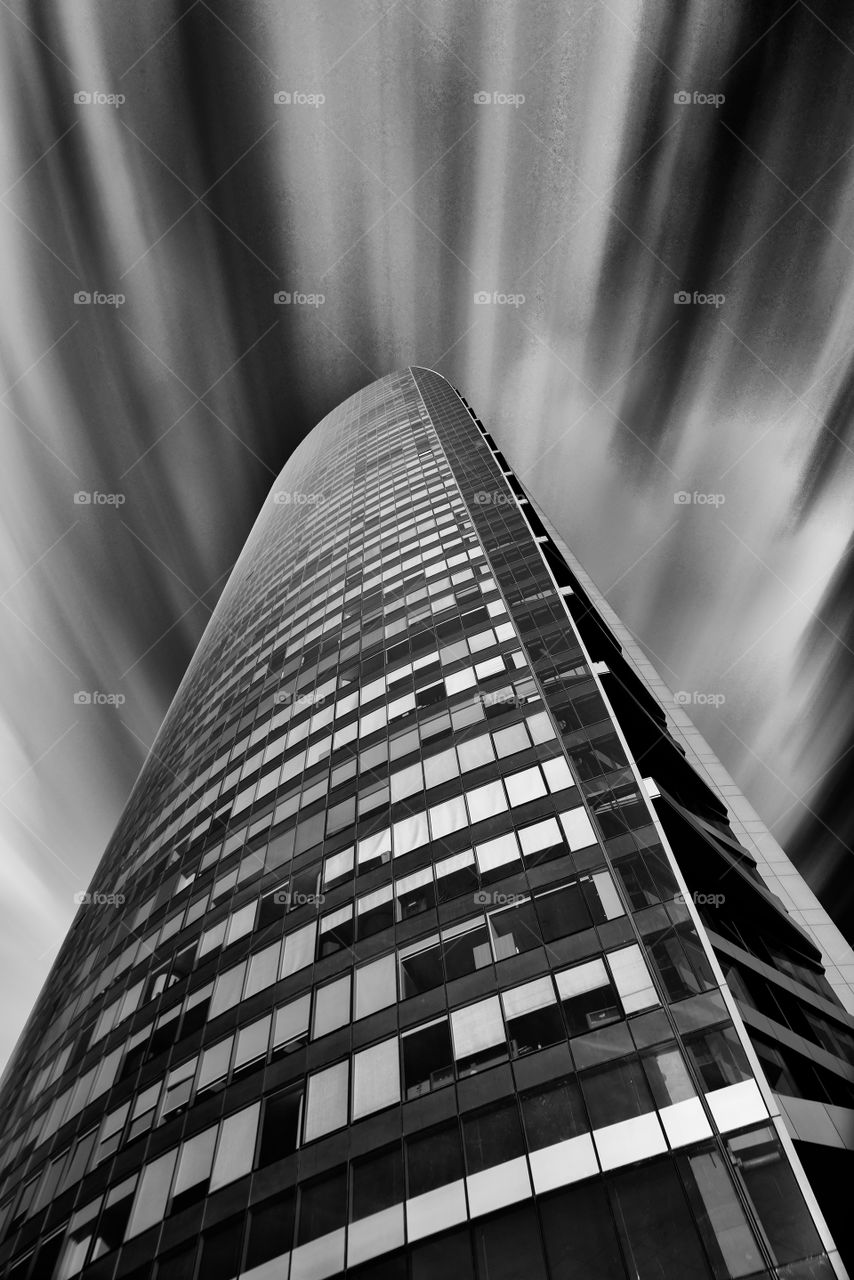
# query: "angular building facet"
[[433, 941]]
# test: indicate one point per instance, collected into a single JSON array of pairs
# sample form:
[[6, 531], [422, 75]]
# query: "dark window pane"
[[616, 1093], [729, 1240], [719, 1057], [433, 1159], [221, 1251], [515, 930], [466, 952], [447, 1258], [421, 971], [579, 1234], [553, 1114], [563, 912], [508, 1247], [428, 1059], [280, 1125], [377, 1183], [775, 1195], [271, 1230], [322, 1206], [492, 1137], [655, 1225], [178, 1265]]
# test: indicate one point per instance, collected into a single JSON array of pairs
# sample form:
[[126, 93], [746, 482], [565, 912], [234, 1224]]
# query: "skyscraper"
[[433, 941]]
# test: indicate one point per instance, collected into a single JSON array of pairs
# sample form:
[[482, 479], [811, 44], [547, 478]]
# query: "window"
[[681, 964], [465, 948], [616, 1092], [428, 1061], [475, 752], [719, 1058], [541, 842], [478, 1035], [290, 1026], [563, 911], [331, 1006], [447, 817], [577, 830], [632, 979], [668, 1076], [532, 1016], [495, 857], [214, 1065], [484, 802], [524, 786], [587, 996], [323, 1208], [227, 989], [508, 1246], [718, 1213], [111, 1132], [194, 1169], [338, 868], [420, 966], [514, 930], [774, 1194], [377, 1189], [375, 911], [252, 1041], [271, 1229], [376, 1078], [433, 1159], [415, 893], [152, 1193], [179, 1084], [579, 1234], [492, 1137], [510, 740], [236, 1146], [280, 1127], [142, 1116], [456, 875], [336, 931], [554, 1113], [221, 1250], [326, 1100], [655, 1226], [376, 986]]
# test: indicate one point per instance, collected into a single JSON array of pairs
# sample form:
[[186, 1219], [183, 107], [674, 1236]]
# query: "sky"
[[622, 228]]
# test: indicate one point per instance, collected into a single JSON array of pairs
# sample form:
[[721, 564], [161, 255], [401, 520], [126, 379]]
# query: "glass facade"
[[393, 964]]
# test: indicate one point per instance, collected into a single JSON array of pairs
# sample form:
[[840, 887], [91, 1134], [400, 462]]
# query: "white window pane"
[[406, 782], [326, 1100], [557, 774], [338, 865], [577, 829], [334, 918], [376, 1078], [227, 989], [448, 816], [483, 802], [459, 680], [440, 768], [376, 986], [540, 836], [407, 883], [196, 1160], [299, 949], [584, 977], [510, 740], [152, 1193], [632, 979], [252, 1041], [475, 753], [410, 833], [540, 727], [524, 786], [496, 853], [533, 995], [371, 900], [377, 846], [236, 1150], [291, 1021], [215, 1062], [455, 863], [263, 969], [608, 896], [331, 1006], [491, 667], [212, 938], [477, 1027]]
